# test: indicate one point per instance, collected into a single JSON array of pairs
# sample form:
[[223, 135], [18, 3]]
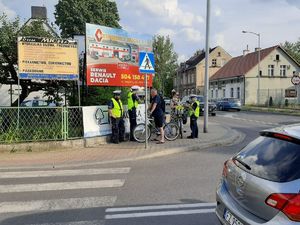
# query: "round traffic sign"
[[295, 80]]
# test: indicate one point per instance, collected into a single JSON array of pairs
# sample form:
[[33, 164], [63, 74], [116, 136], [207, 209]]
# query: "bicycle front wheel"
[[139, 133], [171, 131]]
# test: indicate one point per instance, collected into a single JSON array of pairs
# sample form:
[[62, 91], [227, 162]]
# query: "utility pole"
[[205, 130]]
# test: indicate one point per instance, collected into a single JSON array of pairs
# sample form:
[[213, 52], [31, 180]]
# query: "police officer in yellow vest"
[[116, 112], [194, 113], [132, 102]]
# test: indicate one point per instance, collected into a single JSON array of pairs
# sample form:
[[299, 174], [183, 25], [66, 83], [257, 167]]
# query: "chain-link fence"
[[40, 124], [280, 98]]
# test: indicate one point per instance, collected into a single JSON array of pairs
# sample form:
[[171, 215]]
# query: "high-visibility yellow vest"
[[131, 104], [195, 112], [117, 111]]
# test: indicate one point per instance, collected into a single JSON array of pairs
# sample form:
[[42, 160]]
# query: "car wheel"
[[213, 114]]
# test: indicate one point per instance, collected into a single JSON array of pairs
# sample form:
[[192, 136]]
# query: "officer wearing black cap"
[[194, 113], [116, 112], [132, 103]]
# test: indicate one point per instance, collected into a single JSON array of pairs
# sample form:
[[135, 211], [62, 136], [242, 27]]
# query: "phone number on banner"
[[133, 77]]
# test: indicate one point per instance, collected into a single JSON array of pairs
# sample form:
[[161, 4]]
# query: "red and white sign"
[[113, 56], [98, 35]]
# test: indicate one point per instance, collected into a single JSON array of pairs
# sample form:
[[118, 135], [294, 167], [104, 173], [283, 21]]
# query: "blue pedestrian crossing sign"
[[146, 62]]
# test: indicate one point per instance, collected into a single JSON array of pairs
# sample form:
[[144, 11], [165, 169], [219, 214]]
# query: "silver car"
[[261, 184]]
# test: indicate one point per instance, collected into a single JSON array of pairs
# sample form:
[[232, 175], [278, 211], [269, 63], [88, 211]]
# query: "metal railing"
[[40, 124], [277, 98]]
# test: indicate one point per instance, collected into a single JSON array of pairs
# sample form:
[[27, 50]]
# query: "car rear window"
[[272, 159]]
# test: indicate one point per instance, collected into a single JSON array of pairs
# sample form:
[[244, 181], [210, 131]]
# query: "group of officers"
[[156, 110]]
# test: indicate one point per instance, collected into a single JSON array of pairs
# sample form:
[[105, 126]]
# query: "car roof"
[[292, 130]]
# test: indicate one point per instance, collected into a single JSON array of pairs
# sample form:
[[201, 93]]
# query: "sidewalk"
[[128, 151]]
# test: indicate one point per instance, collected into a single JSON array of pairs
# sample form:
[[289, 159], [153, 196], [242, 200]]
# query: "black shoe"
[[190, 137], [132, 139], [115, 142]]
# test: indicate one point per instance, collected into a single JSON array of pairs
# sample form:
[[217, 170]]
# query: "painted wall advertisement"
[[113, 56], [47, 58], [96, 122]]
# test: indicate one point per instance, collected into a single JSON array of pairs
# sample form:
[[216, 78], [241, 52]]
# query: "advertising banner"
[[47, 58], [96, 122], [113, 56]]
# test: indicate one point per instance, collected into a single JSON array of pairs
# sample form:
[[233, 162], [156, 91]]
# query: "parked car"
[[37, 103], [228, 104], [211, 106], [260, 184]]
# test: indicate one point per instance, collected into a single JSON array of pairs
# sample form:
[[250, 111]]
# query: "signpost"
[[146, 66], [296, 81]]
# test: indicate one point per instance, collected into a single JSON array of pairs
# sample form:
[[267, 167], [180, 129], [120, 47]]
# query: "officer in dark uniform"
[[194, 113], [132, 102], [116, 112]]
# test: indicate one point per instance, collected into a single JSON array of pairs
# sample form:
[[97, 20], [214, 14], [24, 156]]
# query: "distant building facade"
[[190, 76], [239, 77]]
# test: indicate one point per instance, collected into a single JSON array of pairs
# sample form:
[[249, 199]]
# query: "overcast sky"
[[184, 21]]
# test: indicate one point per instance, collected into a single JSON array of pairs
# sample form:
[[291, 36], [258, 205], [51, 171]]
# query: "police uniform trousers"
[[132, 121], [118, 130], [194, 126]]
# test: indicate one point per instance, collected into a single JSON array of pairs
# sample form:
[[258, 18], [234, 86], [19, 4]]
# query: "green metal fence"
[[40, 124]]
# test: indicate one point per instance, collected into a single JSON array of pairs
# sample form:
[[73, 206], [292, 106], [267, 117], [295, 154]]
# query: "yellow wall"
[[221, 61]]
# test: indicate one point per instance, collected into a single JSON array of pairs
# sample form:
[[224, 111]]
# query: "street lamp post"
[[258, 66]]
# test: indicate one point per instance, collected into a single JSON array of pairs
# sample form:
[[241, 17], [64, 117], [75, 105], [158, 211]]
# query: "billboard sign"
[[113, 56], [47, 58]]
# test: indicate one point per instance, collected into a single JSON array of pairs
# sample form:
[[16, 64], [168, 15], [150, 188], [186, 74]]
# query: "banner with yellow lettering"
[[113, 56]]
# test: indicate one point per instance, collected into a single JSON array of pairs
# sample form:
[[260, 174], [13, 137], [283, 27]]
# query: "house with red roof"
[[239, 77]]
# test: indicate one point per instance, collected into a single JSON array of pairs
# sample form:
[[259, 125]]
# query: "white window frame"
[[214, 62], [283, 69], [231, 92], [271, 70]]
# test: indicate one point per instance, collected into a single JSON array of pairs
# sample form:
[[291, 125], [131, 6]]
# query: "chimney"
[[38, 12], [246, 51], [257, 49]]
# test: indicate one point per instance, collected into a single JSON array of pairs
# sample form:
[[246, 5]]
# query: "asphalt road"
[[172, 190]]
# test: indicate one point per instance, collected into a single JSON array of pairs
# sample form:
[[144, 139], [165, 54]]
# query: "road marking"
[[61, 186], [91, 222], [163, 213], [57, 204], [58, 173], [177, 206]]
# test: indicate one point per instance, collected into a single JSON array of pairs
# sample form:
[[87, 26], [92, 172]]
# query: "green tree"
[[165, 63], [9, 31], [72, 15], [293, 49]]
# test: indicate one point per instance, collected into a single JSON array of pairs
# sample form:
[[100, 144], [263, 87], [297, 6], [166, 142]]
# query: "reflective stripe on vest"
[[195, 112], [130, 102], [117, 111]]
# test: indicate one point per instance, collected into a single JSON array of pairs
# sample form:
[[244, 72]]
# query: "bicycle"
[[171, 131], [179, 116]]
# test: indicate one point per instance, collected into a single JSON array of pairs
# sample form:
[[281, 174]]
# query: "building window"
[[214, 62], [271, 70], [282, 70], [192, 91], [224, 93], [217, 94], [277, 58], [238, 93], [212, 93], [231, 92], [219, 54]]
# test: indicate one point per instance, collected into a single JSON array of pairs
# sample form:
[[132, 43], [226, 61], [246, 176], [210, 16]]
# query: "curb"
[[234, 139], [273, 111]]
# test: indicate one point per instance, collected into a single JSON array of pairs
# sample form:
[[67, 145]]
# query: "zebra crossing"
[[27, 192]]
